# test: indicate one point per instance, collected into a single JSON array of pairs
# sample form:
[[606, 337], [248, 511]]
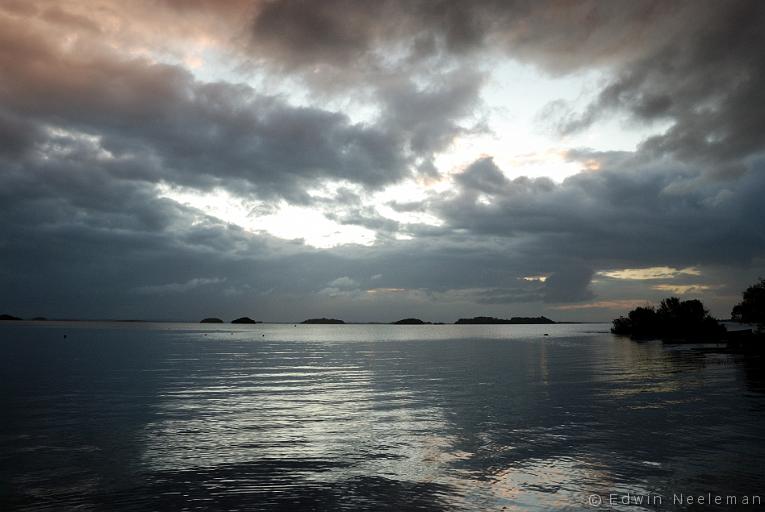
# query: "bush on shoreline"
[[673, 319], [751, 309]]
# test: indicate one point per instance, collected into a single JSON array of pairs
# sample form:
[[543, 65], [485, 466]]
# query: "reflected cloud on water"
[[370, 417]]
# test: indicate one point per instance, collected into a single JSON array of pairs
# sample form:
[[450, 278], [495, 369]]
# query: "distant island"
[[411, 321], [514, 320], [8, 317], [322, 321], [211, 320], [245, 320]]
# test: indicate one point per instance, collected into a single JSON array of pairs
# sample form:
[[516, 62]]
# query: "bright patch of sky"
[[282, 220], [684, 289], [651, 273], [523, 142]]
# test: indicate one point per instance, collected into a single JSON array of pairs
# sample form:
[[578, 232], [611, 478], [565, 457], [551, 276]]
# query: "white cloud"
[[650, 273], [168, 288]]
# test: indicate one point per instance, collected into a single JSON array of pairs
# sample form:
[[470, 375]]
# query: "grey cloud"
[[16, 135], [602, 159], [170, 288], [705, 81], [563, 35], [307, 33], [367, 217], [410, 206], [482, 176], [428, 116], [634, 211], [183, 131], [343, 282], [569, 285], [523, 292]]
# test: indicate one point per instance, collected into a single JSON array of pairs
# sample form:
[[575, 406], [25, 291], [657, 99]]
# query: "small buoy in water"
[[546, 334], [64, 335]]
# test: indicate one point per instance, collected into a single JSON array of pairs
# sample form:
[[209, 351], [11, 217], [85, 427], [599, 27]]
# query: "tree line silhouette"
[[751, 309], [689, 319]]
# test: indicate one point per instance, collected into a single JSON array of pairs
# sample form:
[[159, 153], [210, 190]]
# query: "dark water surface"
[[266, 417]]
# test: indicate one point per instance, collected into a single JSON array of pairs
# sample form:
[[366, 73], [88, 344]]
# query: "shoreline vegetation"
[[688, 321], [674, 320]]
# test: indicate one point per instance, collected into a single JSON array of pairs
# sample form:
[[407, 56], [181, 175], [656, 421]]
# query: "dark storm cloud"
[[563, 35], [77, 243], [635, 215], [569, 285], [428, 117], [16, 135], [525, 291], [705, 80]]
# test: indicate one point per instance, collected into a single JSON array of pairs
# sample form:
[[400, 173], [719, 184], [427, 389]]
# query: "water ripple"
[[380, 417]]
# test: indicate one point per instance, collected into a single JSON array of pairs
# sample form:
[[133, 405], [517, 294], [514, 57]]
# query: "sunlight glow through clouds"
[[650, 273], [684, 289], [283, 221], [540, 278], [523, 140], [310, 223], [617, 305]]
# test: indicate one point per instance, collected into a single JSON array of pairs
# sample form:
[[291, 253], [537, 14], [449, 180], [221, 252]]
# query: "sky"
[[376, 160]]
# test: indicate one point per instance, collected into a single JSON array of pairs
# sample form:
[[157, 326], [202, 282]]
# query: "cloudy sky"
[[373, 160]]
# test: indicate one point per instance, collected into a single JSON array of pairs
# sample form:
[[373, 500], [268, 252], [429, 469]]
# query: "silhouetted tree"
[[752, 308], [640, 322], [622, 325], [644, 321], [674, 319]]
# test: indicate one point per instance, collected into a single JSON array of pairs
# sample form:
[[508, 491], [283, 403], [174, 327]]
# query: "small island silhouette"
[[322, 321], [211, 320], [245, 320], [482, 320], [411, 321], [8, 317]]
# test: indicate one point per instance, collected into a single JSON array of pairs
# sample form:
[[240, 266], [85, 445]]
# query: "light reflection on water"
[[158, 416]]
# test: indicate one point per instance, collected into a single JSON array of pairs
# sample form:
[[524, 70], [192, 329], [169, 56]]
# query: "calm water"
[[190, 417]]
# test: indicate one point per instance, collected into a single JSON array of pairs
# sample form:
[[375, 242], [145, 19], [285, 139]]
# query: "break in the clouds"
[[375, 160]]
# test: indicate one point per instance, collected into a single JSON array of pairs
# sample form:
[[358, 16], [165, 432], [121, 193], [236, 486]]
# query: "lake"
[[116, 416]]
